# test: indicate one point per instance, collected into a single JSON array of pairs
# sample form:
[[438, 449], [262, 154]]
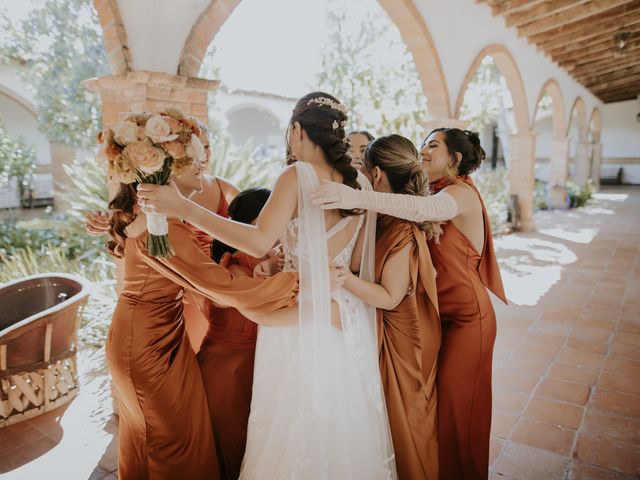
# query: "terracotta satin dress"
[[196, 321], [226, 362], [468, 335], [409, 339], [165, 428]]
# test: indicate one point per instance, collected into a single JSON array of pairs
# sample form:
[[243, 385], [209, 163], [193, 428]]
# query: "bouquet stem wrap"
[[158, 244]]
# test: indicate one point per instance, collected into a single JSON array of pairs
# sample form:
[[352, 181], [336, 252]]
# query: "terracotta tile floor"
[[567, 362]]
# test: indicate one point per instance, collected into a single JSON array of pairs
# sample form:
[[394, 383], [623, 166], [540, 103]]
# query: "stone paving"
[[567, 362]]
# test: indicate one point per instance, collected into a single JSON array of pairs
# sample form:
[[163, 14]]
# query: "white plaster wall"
[[20, 122], [620, 130], [157, 30], [462, 28], [621, 139]]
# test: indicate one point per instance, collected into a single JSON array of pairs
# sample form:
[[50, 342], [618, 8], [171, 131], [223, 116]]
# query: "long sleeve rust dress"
[[196, 321], [409, 339], [226, 362], [468, 335], [165, 428]]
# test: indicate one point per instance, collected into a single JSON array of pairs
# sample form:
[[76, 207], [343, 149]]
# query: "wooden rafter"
[[610, 21], [606, 38], [595, 56], [539, 11], [579, 36], [504, 7], [570, 15]]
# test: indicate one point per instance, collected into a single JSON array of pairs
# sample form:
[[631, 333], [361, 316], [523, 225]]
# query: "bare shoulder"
[[228, 188], [288, 178]]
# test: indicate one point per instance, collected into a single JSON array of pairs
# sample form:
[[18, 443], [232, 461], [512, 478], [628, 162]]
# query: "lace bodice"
[[290, 242]]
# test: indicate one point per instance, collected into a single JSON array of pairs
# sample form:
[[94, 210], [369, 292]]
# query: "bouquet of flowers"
[[148, 148]]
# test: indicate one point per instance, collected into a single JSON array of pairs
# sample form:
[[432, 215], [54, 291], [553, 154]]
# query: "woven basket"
[[39, 320]]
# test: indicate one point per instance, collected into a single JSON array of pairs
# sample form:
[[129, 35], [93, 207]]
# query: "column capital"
[[141, 90]]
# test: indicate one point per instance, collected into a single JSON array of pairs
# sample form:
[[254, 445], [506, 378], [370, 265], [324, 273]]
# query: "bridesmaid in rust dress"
[[408, 323], [227, 354], [165, 429], [466, 267]]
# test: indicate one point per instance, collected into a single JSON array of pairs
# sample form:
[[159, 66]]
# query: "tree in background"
[[17, 160], [383, 92], [61, 42]]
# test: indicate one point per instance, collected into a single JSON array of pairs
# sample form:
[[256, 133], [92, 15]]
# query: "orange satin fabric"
[[409, 340], [165, 428], [465, 360], [226, 362], [196, 321]]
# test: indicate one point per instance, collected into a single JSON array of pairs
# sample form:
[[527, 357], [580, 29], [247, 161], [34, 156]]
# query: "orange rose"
[[174, 148], [123, 170]]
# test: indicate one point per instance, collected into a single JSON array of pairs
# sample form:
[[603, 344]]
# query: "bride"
[[318, 409]]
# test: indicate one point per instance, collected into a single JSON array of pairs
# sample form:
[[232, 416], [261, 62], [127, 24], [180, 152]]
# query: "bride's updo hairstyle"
[[465, 142], [323, 118]]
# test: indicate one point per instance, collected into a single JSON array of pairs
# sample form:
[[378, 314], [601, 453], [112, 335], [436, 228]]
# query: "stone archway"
[[510, 71], [582, 167], [402, 13], [558, 161], [522, 143]]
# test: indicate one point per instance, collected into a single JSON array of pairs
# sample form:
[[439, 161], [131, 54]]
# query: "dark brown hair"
[[318, 121], [362, 132], [122, 214], [465, 142], [245, 208]]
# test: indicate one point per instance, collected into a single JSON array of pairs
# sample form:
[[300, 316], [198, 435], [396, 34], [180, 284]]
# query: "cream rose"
[[146, 158], [158, 130], [195, 150], [125, 132]]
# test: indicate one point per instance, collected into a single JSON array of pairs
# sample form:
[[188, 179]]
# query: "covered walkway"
[[567, 362]]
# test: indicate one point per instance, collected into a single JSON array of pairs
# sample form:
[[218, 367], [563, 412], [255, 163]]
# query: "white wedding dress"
[[318, 409]]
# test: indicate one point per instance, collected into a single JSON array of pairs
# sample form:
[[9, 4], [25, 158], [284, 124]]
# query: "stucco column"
[[521, 175], [559, 165], [596, 162], [583, 163]]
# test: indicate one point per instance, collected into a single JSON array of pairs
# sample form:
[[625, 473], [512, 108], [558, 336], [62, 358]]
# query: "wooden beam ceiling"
[[579, 36], [578, 12]]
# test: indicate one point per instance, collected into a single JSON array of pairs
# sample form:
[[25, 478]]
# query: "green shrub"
[[493, 185]]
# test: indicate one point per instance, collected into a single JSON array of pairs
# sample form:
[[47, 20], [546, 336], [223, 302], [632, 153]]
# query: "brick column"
[[583, 163], [559, 165], [140, 91], [522, 175]]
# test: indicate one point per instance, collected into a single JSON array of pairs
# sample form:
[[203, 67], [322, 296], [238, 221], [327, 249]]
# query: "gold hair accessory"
[[329, 103]]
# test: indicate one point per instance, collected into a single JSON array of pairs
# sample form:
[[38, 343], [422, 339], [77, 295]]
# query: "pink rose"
[[158, 130], [146, 158]]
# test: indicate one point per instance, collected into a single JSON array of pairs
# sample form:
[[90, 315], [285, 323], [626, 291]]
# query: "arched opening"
[[402, 13], [551, 149], [492, 100], [595, 150], [578, 162]]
